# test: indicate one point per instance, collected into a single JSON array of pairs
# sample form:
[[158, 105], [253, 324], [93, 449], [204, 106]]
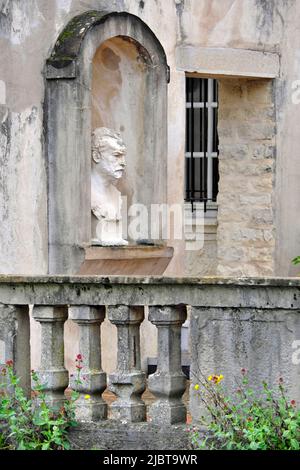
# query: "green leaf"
[[66, 445], [253, 445]]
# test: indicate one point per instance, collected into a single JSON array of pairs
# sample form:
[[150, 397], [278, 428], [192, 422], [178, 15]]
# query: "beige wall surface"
[[28, 31], [245, 235]]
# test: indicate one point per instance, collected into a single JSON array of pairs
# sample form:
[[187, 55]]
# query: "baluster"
[[90, 405], [168, 382], [128, 382], [52, 372], [15, 341]]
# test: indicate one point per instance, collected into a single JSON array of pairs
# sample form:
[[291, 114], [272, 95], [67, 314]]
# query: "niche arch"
[[71, 112]]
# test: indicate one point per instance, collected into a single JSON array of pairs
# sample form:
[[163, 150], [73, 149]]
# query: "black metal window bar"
[[201, 156]]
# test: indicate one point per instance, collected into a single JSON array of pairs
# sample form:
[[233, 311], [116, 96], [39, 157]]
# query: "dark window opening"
[[201, 154]]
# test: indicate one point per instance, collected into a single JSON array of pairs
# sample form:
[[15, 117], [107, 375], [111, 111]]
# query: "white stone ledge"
[[226, 62]]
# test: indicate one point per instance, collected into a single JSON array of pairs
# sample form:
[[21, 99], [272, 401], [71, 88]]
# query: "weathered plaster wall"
[[28, 31], [287, 188], [23, 236]]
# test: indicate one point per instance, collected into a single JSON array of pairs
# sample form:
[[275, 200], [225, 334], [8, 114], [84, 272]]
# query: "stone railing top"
[[153, 280], [242, 292]]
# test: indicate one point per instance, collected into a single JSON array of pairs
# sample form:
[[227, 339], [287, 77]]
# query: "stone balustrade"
[[234, 322]]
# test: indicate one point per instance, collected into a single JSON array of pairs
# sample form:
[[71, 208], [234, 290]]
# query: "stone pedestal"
[[130, 260], [90, 406], [168, 382], [128, 382]]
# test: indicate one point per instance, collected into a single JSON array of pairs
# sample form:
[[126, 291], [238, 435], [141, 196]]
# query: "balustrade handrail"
[[151, 290], [153, 279]]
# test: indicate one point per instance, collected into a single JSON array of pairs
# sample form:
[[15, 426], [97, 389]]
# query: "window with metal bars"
[[201, 155]]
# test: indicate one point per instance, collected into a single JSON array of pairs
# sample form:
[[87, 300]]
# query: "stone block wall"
[[225, 340], [246, 126]]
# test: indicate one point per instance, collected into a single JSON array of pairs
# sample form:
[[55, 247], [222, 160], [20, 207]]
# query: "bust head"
[[108, 153]]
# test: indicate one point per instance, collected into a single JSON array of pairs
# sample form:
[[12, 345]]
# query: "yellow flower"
[[215, 378], [87, 397], [218, 378], [196, 387]]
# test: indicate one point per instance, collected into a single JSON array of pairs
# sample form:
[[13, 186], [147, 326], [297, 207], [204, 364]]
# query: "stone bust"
[[108, 164]]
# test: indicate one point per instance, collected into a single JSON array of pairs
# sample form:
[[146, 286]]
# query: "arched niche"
[[105, 69]]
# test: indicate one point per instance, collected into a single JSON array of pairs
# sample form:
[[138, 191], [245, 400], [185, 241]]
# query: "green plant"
[[32, 424], [247, 421], [296, 260]]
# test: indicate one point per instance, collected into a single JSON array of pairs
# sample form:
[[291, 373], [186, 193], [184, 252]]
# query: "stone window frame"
[[226, 62]]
